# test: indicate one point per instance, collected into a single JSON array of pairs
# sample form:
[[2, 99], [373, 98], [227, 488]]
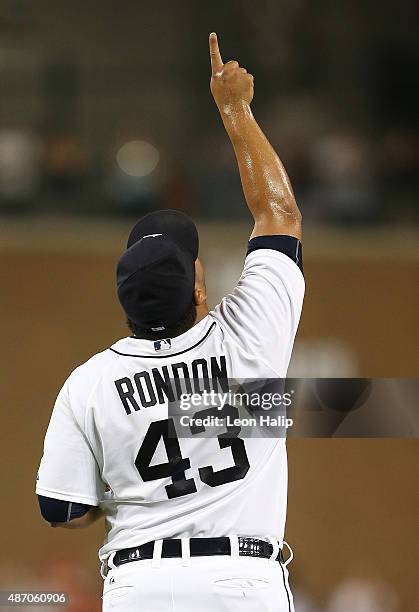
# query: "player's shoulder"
[[91, 371], [282, 255]]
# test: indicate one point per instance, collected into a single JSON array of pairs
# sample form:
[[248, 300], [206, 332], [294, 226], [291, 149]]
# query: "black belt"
[[199, 547]]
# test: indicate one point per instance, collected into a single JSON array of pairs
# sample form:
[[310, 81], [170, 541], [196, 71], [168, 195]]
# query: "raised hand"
[[265, 183], [231, 85]]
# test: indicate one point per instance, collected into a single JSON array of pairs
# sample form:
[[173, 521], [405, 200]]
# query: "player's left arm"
[[69, 485], [67, 514], [80, 523]]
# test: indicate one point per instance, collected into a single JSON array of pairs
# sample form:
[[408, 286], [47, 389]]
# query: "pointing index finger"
[[216, 61]]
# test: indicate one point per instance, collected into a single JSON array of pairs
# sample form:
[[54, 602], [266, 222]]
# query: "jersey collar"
[[159, 349]]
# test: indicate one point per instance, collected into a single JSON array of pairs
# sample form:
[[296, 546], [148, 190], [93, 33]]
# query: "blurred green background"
[[334, 90], [105, 114]]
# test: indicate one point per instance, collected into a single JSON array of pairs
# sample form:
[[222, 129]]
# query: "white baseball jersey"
[[107, 441]]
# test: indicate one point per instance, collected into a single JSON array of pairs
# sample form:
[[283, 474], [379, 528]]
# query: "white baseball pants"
[[204, 584]]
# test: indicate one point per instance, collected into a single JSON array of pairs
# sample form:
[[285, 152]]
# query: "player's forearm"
[[266, 185]]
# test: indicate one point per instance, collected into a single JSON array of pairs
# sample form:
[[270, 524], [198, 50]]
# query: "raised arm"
[[265, 183]]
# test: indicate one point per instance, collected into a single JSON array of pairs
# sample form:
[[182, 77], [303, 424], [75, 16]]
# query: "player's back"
[[154, 481]]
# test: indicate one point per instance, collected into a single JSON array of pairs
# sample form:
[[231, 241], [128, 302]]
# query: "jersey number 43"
[[176, 465]]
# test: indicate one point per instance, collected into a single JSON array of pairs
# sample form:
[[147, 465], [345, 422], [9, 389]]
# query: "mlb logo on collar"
[[162, 345]]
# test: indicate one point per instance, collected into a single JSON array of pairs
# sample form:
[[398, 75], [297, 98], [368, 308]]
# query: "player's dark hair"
[[178, 328]]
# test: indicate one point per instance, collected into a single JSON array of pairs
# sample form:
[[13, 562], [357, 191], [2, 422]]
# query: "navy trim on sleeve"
[[290, 246], [59, 511]]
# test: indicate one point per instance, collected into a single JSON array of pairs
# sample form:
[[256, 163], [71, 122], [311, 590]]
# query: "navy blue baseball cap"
[[156, 274]]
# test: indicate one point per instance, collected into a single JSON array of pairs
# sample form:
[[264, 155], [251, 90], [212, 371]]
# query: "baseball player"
[[192, 522]]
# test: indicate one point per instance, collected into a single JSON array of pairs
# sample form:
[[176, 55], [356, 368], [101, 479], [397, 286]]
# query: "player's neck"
[[201, 312]]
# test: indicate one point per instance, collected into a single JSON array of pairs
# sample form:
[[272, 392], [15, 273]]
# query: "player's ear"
[[200, 295], [200, 292]]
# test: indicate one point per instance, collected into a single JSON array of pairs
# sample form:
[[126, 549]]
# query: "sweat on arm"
[[265, 183]]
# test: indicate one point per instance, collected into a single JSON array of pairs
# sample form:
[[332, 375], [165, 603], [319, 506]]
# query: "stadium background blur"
[[105, 114]]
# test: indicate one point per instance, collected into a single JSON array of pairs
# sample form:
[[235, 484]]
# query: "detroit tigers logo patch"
[[162, 345]]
